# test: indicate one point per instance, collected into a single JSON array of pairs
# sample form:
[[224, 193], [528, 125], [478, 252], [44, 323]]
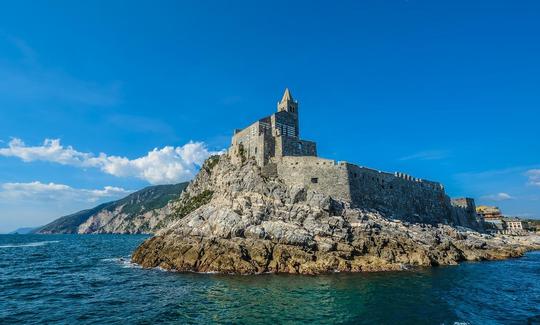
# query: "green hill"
[[124, 212]]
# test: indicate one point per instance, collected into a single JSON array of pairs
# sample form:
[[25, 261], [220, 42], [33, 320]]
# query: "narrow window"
[[314, 180]]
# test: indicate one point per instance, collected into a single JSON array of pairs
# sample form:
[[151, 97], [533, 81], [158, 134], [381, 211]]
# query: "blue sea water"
[[88, 279]]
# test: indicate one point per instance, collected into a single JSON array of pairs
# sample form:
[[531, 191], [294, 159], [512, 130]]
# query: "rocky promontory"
[[234, 218]]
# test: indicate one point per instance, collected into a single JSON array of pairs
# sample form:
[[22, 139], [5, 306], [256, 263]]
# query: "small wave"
[[123, 262], [208, 272], [34, 244]]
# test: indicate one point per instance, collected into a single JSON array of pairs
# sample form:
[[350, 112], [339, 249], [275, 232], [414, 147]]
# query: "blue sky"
[[443, 90]]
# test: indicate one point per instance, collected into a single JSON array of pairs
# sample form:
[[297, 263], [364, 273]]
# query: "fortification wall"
[[398, 195], [464, 213], [321, 175]]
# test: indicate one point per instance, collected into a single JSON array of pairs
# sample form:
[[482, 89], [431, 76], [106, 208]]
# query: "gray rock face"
[[254, 223]]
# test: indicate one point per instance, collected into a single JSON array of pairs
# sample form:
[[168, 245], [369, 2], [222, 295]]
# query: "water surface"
[[88, 279]]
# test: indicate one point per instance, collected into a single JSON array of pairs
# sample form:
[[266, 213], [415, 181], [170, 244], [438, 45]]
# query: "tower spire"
[[287, 103], [286, 96]]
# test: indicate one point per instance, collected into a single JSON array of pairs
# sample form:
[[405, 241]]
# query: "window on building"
[[255, 150], [314, 180]]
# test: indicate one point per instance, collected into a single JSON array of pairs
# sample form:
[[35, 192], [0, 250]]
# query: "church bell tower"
[[287, 103]]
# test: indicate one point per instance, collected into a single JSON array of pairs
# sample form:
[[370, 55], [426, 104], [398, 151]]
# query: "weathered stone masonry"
[[275, 144], [274, 136]]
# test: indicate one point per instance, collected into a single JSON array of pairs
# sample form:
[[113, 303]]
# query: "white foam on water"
[[34, 244], [124, 262]]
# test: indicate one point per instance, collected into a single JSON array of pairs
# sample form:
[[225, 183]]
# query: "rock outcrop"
[[139, 212], [235, 218]]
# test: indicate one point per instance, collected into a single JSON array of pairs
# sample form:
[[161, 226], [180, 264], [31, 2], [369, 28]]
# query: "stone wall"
[[274, 136], [286, 123], [464, 212], [398, 196], [245, 142], [321, 175], [254, 141], [291, 146]]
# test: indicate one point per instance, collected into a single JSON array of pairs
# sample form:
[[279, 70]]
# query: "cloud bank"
[[37, 191], [159, 166]]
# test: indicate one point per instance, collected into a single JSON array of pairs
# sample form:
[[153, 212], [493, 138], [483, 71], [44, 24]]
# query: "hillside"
[[22, 231], [139, 212]]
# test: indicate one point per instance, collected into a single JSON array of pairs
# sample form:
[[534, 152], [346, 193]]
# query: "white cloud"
[[427, 155], [534, 177], [51, 150], [166, 165], [498, 197], [37, 191]]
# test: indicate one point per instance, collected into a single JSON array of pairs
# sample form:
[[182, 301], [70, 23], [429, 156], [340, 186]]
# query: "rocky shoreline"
[[249, 223]]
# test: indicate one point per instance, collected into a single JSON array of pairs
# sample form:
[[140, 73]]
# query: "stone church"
[[274, 136], [274, 143]]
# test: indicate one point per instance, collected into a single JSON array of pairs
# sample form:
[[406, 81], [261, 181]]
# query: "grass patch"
[[211, 163], [190, 205]]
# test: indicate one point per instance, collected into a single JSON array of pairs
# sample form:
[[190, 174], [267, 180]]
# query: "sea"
[[89, 279]]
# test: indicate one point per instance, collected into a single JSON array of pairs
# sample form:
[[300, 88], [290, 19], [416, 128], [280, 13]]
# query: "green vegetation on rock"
[[211, 163], [189, 205]]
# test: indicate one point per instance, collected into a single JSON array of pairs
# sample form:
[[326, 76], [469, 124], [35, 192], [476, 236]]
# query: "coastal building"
[[275, 144], [514, 224], [274, 136], [492, 218], [497, 223], [489, 212]]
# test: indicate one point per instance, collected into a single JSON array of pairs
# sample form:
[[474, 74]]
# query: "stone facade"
[[274, 136], [464, 209], [275, 144]]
